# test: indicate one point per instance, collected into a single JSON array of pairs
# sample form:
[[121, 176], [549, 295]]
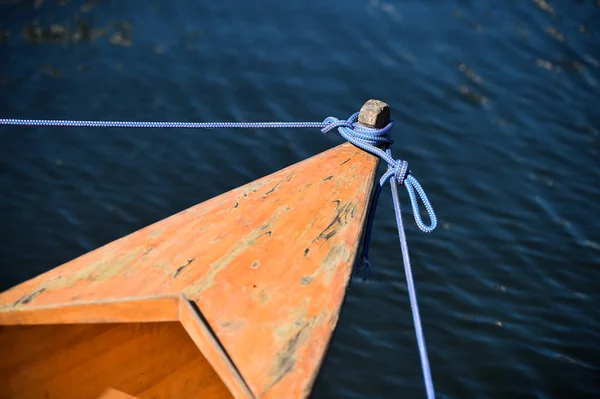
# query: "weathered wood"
[[266, 265], [375, 114], [122, 310]]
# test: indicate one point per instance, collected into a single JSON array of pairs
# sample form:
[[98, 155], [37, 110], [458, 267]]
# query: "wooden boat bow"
[[254, 279]]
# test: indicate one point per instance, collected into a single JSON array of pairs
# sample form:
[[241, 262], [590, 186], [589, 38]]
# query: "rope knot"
[[401, 170], [334, 123], [362, 136]]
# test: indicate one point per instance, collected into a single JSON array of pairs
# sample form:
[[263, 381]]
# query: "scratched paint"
[[269, 275], [286, 359], [156, 233], [93, 274], [338, 253], [208, 280]]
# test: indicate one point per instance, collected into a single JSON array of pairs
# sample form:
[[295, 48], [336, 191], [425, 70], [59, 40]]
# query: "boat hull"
[[262, 271]]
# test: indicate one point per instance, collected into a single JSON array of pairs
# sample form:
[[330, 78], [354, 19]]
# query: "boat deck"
[[254, 279]]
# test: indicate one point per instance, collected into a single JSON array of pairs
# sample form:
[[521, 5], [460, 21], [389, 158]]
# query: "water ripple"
[[494, 110]]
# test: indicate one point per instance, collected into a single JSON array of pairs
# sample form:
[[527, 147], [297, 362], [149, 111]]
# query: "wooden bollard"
[[374, 114]]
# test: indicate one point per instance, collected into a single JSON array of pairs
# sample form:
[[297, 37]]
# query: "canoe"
[[236, 297]]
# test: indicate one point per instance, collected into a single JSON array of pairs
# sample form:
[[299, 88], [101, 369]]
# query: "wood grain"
[[145, 360], [266, 265]]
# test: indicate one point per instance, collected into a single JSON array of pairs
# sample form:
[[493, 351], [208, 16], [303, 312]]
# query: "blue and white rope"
[[164, 125], [398, 173], [366, 138]]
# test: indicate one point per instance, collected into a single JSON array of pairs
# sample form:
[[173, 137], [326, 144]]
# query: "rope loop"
[[359, 135], [370, 139], [413, 185]]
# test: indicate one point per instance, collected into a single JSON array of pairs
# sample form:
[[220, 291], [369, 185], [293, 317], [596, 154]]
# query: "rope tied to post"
[[397, 173], [367, 138]]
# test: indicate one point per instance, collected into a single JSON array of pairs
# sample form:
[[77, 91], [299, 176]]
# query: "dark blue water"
[[496, 109]]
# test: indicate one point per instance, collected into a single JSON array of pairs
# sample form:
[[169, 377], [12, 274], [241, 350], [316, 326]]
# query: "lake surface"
[[496, 108]]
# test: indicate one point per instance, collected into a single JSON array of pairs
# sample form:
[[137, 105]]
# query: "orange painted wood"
[[172, 307], [212, 350], [122, 310], [267, 265], [114, 394], [145, 360]]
